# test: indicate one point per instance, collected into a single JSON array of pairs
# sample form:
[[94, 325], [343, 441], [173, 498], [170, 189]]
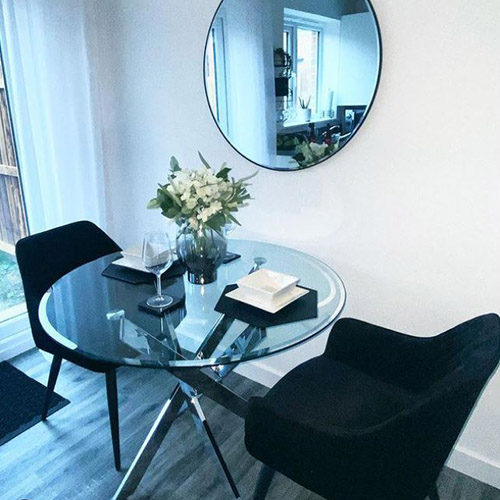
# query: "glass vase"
[[201, 252]]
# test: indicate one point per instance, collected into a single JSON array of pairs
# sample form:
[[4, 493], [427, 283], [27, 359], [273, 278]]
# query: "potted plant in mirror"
[[305, 111], [201, 202]]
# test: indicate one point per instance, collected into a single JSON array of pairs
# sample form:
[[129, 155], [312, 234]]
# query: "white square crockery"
[[267, 286], [273, 307], [132, 258]]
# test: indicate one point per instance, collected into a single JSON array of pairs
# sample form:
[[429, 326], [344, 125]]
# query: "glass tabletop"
[[99, 317]]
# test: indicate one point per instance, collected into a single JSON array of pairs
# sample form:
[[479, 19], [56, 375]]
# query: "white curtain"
[[250, 74], [45, 49]]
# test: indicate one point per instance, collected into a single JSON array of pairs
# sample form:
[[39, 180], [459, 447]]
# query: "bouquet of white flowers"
[[201, 198]]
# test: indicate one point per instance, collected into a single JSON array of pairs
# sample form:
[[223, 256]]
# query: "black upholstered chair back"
[[45, 257], [464, 354], [447, 374]]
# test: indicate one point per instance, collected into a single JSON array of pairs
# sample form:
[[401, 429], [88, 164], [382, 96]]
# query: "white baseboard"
[[462, 460], [8, 248], [15, 333], [474, 465], [16, 344], [259, 372]]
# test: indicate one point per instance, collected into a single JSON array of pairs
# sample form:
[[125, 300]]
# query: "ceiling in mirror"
[[289, 82]]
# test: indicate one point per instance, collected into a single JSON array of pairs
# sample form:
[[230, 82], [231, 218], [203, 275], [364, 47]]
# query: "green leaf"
[[171, 213], [153, 204], [205, 162], [174, 164], [223, 174], [234, 219], [217, 222], [174, 198], [248, 177]]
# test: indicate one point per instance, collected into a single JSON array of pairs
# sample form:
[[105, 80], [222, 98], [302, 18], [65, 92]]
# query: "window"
[[12, 218], [303, 43], [13, 318], [307, 65]]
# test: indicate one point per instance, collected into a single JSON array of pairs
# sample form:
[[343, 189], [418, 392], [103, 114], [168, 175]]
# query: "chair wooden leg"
[[54, 372], [112, 393], [263, 483], [433, 494]]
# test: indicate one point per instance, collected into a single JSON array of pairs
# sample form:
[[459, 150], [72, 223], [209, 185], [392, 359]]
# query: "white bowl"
[[267, 286]]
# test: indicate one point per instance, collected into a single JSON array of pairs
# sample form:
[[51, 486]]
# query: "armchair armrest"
[[385, 354]]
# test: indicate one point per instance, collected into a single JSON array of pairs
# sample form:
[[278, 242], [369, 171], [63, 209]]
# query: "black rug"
[[21, 402]]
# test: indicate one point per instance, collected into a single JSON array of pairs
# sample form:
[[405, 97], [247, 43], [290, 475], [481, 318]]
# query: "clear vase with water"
[[201, 252]]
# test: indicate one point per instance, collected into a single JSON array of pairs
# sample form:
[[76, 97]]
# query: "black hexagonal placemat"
[[305, 307]]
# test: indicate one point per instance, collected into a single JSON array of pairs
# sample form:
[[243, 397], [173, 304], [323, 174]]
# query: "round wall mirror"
[[289, 82]]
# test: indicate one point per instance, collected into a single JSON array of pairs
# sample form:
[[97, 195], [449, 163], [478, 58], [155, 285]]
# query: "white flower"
[[193, 223], [318, 149], [202, 192], [203, 215], [217, 206], [186, 195], [191, 203]]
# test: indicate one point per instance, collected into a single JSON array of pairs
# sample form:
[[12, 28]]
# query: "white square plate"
[[132, 258], [241, 296], [267, 286], [131, 263]]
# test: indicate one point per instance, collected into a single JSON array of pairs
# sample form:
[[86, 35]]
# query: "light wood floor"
[[70, 458]]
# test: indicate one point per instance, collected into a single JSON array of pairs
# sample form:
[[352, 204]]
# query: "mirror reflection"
[[290, 81]]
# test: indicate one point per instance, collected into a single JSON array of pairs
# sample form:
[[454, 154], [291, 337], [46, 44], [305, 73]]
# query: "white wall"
[[408, 213], [359, 59], [330, 64]]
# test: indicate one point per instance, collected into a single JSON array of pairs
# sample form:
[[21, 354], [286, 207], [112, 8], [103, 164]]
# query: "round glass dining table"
[[101, 318]]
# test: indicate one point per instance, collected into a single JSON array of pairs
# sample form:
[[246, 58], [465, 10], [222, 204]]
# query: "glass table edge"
[[260, 355]]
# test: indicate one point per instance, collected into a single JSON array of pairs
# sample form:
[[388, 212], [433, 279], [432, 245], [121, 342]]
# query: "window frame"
[[292, 24]]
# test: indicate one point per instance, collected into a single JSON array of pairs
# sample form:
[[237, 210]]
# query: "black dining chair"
[[44, 258], [376, 416]]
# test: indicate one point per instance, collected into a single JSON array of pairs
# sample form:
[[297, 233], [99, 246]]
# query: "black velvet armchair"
[[44, 258], [376, 416]]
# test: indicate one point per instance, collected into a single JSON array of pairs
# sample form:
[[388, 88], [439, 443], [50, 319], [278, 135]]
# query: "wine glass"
[[157, 258], [229, 228]]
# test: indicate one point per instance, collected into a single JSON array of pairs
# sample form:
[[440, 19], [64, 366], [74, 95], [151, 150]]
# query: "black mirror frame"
[[355, 131]]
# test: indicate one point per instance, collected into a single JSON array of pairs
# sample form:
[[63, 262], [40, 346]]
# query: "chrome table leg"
[[151, 445], [202, 424]]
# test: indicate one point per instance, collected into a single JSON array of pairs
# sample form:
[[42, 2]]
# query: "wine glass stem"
[[158, 284]]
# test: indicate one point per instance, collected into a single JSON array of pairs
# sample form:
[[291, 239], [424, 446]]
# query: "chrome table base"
[[209, 383], [183, 394]]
